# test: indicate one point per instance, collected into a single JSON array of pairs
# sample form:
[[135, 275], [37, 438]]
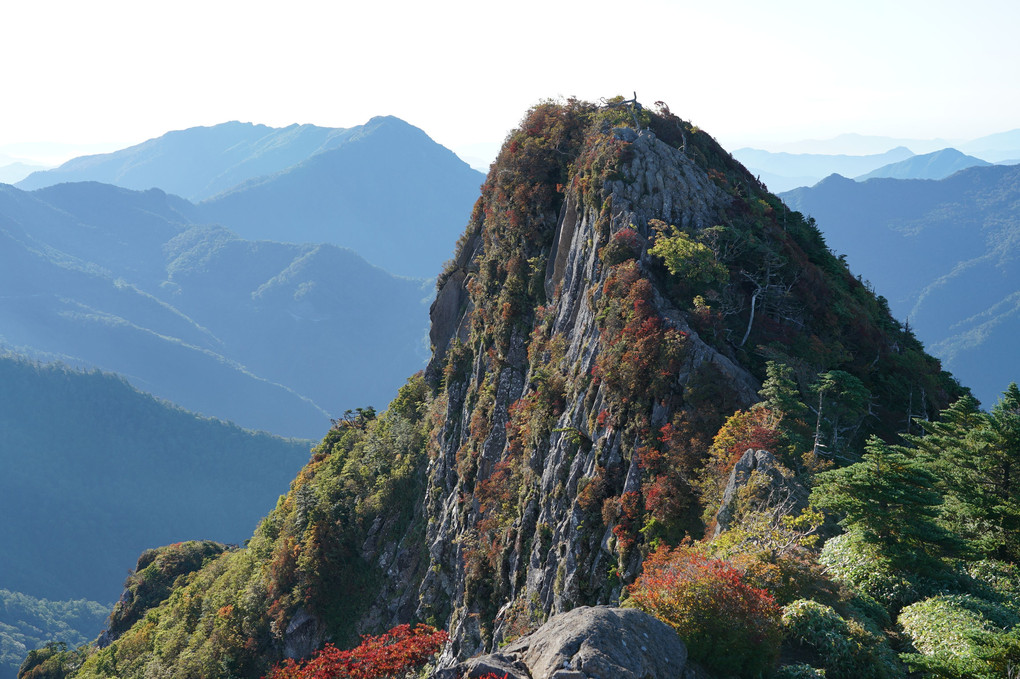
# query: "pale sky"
[[748, 71]]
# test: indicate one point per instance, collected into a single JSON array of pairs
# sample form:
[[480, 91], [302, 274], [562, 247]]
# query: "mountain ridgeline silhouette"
[[198, 162], [383, 189], [935, 165]]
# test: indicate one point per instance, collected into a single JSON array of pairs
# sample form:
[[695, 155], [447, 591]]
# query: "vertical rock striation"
[[551, 552]]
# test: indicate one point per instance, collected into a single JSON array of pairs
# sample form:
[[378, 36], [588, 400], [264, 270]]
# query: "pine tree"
[[956, 448], [975, 457], [889, 499], [1004, 477]]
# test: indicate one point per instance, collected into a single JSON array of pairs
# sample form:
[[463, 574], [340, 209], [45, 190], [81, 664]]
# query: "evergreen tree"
[[779, 391], [843, 404], [955, 448], [779, 394], [889, 499], [975, 457], [1004, 473]]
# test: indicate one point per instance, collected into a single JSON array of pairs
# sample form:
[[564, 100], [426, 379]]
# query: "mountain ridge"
[[408, 236], [94, 272], [204, 475], [234, 143], [936, 165], [784, 171], [942, 250], [304, 184]]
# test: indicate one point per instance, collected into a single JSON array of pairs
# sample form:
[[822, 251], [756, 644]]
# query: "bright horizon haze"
[[113, 73]]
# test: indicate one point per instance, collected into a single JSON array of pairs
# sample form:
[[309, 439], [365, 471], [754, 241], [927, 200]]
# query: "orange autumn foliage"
[[728, 625]]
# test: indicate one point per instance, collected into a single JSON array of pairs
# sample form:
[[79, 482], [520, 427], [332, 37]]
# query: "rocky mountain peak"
[[623, 290], [570, 354]]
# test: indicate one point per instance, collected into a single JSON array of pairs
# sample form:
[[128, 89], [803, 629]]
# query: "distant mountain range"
[[784, 171], [936, 165], [992, 147], [792, 165], [269, 335], [946, 254], [199, 162], [383, 189], [16, 171], [94, 472]]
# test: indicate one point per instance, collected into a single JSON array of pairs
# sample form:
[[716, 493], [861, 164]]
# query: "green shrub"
[[693, 263], [949, 626], [996, 581], [799, 671], [867, 606], [961, 636], [857, 564], [850, 649]]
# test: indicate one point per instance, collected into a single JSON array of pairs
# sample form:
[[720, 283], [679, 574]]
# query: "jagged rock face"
[[518, 508], [586, 643], [579, 380]]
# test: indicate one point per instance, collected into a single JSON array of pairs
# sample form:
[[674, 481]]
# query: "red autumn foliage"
[[388, 655], [728, 625], [756, 428], [623, 245], [629, 521], [497, 502], [641, 353]]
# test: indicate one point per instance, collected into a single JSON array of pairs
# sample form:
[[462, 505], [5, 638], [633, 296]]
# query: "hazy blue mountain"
[[785, 171], [936, 165], [854, 144], [96, 471], [27, 623], [995, 148], [946, 253], [198, 162], [16, 171], [389, 193], [383, 189], [270, 335]]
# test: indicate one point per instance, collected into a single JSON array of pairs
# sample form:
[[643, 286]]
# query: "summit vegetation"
[[629, 312]]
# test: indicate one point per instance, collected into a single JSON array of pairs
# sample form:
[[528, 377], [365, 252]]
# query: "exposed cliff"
[[616, 296], [574, 347]]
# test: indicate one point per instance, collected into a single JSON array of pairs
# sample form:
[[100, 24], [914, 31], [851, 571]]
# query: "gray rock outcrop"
[[776, 490], [586, 643], [560, 557]]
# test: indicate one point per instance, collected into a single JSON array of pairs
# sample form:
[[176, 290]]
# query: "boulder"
[[586, 643]]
